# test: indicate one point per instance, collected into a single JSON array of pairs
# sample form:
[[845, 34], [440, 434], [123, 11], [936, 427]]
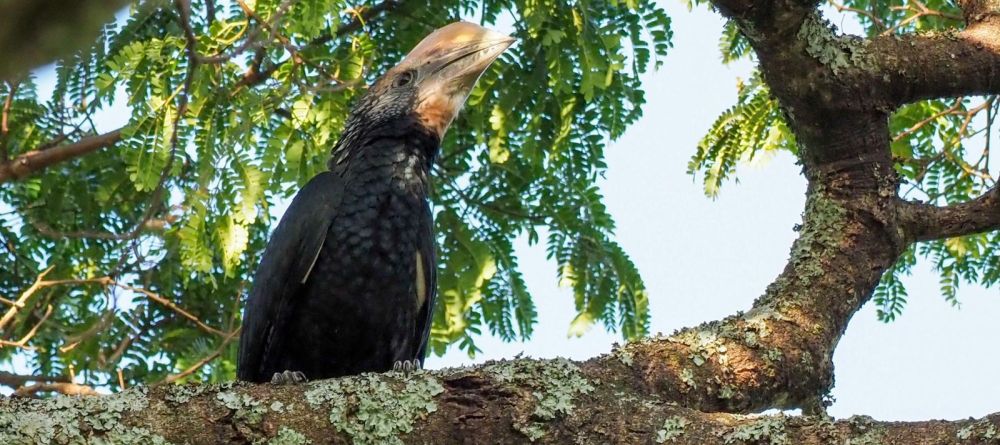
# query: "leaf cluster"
[[222, 124]]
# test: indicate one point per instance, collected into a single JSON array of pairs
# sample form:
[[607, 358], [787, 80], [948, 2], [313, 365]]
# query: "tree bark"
[[694, 386], [35, 160], [521, 401]]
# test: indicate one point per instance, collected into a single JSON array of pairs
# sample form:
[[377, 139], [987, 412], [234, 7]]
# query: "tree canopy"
[[130, 249]]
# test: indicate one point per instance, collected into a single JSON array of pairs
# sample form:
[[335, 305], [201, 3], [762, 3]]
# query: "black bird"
[[347, 281]]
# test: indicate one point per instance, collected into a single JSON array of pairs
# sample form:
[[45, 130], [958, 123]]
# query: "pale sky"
[[705, 259]]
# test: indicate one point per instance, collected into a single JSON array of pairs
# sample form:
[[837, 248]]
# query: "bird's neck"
[[361, 135], [390, 165]]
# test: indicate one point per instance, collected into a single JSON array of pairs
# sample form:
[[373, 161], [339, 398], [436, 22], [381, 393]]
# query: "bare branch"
[[103, 281], [879, 24], [17, 380], [38, 284], [4, 118], [919, 10], [204, 361], [924, 222], [172, 306], [35, 160], [66, 388]]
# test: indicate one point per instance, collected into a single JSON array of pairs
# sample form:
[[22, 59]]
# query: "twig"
[[34, 329], [921, 10], [70, 389], [259, 76], [38, 284], [4, 116], [18, 380], [103, 281], [10, 302], [205, 360], [170, 305], [954, 107], [870, 15], [121, 380]]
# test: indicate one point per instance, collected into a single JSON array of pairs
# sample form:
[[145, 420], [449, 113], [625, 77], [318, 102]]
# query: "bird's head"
[[430, 85]]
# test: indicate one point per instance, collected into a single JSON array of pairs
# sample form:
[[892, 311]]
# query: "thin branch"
[[34, 329], [920, 11], [38, 284], [36, 160], [879, 24], [204, 361], [172, 306], [253, 40], [69, 389], [4, 119], [255, 76], [916, 127], [18, 380], [10, 302], [104, 281]]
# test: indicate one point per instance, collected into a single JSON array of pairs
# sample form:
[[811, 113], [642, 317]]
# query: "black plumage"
[[347, 281]]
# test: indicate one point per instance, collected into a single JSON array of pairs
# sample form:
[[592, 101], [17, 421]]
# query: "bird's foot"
[[406, 366], [288, 378]]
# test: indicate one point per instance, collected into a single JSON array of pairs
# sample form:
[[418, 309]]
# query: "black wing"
[[428, 265], [287, 262]]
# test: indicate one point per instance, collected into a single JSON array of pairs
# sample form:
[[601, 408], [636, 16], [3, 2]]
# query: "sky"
[[704, 259]]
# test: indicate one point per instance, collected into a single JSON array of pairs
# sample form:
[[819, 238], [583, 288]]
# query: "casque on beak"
[[448, 63]]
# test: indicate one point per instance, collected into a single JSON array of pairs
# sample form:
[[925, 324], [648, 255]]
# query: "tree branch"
[[66, 388], [915, 67], [925, 222], [548, 402], [17, 380], [36, 160]]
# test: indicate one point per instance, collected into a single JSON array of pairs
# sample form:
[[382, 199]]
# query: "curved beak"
[[449, 61], [458, 53]]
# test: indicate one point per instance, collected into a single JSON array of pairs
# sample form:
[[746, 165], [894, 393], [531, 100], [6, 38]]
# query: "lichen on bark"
[[371, 409]]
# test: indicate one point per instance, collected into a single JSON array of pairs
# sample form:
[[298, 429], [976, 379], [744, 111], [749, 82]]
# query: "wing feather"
[[288, 259], [427, 255]]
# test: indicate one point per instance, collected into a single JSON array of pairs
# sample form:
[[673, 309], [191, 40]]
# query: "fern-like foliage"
[[166, 226]]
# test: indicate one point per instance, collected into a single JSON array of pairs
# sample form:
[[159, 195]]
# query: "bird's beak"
[[450, 61]]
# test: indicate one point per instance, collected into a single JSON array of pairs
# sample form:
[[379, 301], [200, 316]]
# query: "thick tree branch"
[[924, 222], [928, 66], [36, 160], [508, 402]]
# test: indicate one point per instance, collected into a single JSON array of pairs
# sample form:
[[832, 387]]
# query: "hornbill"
[[347, 281]]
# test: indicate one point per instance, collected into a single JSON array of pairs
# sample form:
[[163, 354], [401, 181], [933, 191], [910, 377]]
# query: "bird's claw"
[[406, 366], [288, 378]]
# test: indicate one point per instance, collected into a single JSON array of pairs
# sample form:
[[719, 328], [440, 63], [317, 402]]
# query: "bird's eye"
[[403, 79]]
